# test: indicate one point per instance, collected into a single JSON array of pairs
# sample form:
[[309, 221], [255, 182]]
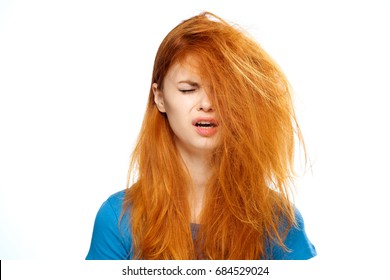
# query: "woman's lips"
[[205, 126]]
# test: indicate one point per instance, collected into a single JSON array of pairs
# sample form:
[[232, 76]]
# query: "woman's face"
[[188, 109]]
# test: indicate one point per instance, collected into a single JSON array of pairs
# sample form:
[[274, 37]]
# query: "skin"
[[183, 99]]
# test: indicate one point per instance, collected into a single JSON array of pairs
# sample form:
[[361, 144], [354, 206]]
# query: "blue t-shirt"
[[112, 240]]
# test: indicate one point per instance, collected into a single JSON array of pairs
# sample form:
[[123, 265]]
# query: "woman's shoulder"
[[299, 246], [111, 237], [116, 199], [113, 205]]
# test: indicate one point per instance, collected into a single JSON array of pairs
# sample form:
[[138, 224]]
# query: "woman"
[[214, 158]]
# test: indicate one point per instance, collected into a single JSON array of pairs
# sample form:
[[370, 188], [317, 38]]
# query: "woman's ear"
[[158, 98]]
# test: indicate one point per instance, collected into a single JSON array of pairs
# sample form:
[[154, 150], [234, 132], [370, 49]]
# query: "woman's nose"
[[205, 103]]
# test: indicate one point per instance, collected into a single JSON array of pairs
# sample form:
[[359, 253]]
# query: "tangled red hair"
[[247, 202]]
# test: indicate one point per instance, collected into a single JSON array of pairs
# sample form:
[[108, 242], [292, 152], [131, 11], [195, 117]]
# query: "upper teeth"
[[204, 123]]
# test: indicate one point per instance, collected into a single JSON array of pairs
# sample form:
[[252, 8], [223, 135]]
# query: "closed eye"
[[187, 90], [187, 86]]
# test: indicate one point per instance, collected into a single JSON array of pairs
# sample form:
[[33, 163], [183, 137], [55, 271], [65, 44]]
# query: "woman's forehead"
[[185, 70]]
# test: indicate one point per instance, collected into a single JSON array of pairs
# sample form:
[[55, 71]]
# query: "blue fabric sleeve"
[[111, 240], [298, 245]]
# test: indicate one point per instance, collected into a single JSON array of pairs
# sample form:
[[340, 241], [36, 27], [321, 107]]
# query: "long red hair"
[[247, 204]]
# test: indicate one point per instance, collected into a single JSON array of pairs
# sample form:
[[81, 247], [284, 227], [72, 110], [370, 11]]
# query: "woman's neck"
[[198, 166]]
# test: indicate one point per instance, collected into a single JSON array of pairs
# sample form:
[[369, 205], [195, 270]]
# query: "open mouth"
[[205, 124], [206, 127]]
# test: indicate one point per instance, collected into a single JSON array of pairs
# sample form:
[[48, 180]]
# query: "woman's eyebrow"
[[191, 83]]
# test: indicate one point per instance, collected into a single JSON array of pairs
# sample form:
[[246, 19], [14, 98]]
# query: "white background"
[[75, 75]]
